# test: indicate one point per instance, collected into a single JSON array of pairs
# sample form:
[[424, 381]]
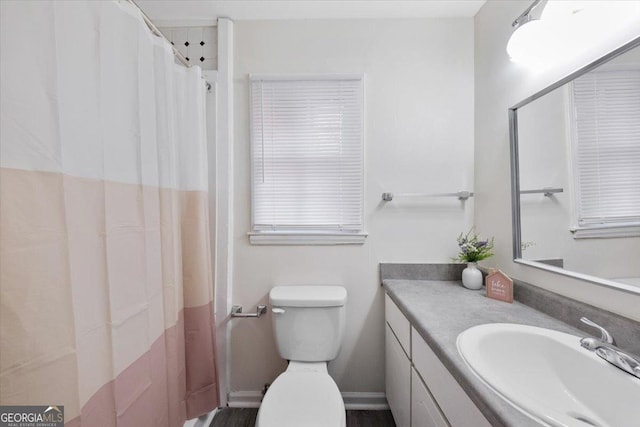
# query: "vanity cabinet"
[[420, 390], [398, 380], [424, 409], [397, 364]]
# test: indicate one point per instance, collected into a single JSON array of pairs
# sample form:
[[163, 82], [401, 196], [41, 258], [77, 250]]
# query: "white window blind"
[[606, 145], [307, 154]]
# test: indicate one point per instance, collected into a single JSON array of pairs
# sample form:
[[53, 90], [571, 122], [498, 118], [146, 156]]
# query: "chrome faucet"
[[605, 347]]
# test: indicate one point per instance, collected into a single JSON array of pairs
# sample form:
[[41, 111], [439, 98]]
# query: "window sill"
[[606, 232], [304, 239]]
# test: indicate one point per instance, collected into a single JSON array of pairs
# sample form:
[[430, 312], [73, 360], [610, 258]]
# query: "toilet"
[[308, 322]]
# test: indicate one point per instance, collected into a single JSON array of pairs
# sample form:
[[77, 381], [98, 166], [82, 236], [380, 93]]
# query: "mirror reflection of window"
[[581, 138], [605, 125]]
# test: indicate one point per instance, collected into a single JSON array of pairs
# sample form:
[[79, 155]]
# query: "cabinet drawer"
[[457, 407], [399, 324], [424, 410], [397, 379]]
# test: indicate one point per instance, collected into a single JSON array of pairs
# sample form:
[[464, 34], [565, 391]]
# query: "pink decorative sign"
[[499, 286]]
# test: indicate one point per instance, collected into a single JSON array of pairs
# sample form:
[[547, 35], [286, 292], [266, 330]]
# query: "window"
[[307, 160], [606, 152]]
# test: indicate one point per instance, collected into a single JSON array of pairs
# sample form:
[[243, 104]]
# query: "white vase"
[[471, 276]]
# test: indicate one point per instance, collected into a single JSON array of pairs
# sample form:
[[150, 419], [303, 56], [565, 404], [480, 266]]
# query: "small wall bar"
[[461, 195], [548, 191]]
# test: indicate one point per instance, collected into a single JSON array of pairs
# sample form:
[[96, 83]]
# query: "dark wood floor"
[[370, 419], [234, 417], [241, 417]]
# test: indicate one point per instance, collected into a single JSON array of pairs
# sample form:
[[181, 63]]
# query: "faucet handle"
[[605, 336]]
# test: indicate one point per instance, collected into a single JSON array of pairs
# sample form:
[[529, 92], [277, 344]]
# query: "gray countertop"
[[440, 310]]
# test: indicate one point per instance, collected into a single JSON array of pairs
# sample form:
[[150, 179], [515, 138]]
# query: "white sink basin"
[[547, 375]]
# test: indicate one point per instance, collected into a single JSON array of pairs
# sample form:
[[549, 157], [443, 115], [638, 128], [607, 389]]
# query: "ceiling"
[[211, 10]]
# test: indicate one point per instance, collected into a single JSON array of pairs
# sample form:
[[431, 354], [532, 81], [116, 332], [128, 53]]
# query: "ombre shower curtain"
[[105, 263]]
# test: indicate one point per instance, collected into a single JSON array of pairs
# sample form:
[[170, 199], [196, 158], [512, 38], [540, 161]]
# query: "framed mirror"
[[575, 173]]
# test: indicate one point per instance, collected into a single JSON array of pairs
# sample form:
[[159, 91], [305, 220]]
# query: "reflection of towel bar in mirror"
[[461, 195], [547, 191]]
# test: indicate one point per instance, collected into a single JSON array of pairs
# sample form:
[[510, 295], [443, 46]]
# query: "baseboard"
[[352, 400], [244, 399], [203, 421], [372, 401]]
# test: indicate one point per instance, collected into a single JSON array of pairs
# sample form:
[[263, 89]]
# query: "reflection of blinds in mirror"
[[606, 146], [307, 154]]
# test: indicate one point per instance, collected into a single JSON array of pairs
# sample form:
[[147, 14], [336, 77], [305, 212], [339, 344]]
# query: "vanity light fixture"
[[552, 31], [527, 43]]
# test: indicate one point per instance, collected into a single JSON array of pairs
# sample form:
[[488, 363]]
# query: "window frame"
[[302, 236]]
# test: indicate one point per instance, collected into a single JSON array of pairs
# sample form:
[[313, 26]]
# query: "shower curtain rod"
[[159, 33]]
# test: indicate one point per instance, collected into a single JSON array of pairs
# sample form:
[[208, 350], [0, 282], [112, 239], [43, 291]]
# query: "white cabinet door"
[[454, 402], [398, 379], [424, 410], [399, 324]]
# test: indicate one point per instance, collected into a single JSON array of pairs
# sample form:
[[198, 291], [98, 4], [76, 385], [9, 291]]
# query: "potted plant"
[[472, 250]]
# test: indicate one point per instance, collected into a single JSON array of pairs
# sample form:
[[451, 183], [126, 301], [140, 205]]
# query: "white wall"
[[197, 43], [418, 138], [499, 84]]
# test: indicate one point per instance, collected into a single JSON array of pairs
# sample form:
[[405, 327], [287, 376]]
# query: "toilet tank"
[[308, 321]]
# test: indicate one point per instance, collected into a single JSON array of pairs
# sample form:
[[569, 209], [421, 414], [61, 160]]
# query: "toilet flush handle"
[[276, 310]]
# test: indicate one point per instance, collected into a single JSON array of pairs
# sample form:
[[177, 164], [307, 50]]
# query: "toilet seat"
[[302, 396]]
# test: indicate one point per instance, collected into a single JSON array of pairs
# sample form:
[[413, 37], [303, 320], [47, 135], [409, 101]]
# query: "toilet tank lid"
[[308, 296]]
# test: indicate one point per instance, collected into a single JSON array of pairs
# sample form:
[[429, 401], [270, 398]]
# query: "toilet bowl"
[[308, 323], [303, 396]]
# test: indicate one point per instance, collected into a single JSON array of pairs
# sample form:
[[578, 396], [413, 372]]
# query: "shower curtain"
[[105, 263]]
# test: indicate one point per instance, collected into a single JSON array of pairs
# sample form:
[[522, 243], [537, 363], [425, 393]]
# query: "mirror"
[[575, 162]]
